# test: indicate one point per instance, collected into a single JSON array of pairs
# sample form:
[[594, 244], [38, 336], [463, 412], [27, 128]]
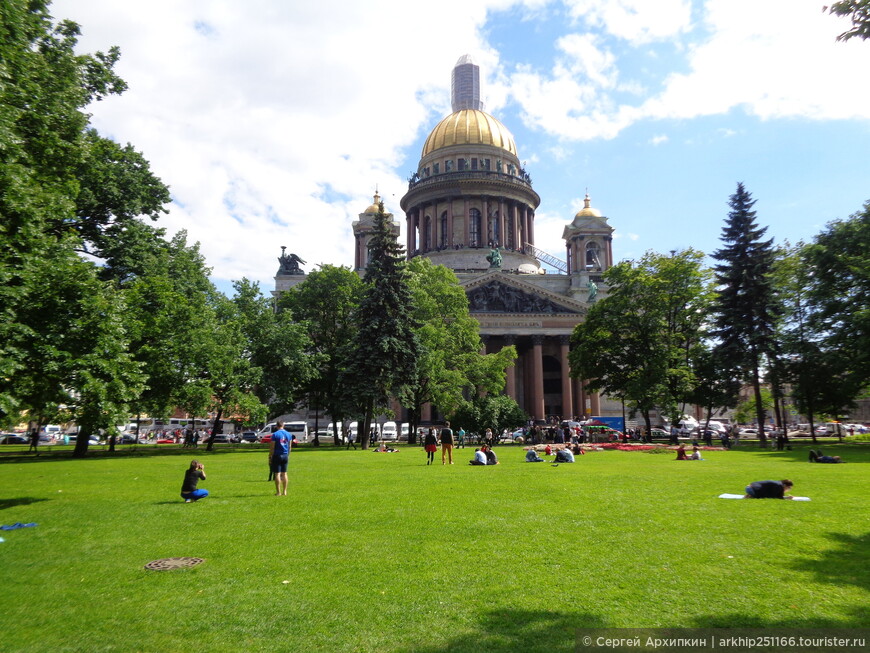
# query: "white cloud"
[[273, 122], [638, 21], [658, 139]]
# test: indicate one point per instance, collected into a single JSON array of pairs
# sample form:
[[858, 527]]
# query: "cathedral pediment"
[[498, 293]]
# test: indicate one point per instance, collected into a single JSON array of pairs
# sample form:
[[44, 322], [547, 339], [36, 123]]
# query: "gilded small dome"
[[469, 127], [374, 208], [587, 211]]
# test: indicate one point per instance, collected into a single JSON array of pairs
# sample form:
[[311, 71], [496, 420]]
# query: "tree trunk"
[[759, 409], [364, 428], [217, 425]]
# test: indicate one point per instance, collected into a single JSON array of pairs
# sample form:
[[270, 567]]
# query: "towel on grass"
[[740, 496]]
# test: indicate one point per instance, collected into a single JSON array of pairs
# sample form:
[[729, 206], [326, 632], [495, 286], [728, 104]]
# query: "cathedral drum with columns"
[[470, 206]]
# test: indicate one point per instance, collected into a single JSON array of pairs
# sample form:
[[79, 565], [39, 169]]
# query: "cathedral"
[[470, 206]]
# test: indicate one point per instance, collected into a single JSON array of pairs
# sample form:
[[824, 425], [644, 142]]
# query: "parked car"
[[165, 440], [10, 438], [656, 432], [748, 433], [92, 440], [220, 438], [249, 436]]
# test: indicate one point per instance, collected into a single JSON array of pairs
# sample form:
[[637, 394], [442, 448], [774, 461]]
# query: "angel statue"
[[289, 263]]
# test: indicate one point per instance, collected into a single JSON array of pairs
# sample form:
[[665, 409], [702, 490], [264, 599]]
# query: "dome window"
[[448, 165], [436, 168]]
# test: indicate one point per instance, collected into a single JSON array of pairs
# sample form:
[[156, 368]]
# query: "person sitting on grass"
[[681, 452], [817, 457], [479, 458], [564, 456], [769, 490], [192, 476], [696, 453], [533, 457], [491, 458]]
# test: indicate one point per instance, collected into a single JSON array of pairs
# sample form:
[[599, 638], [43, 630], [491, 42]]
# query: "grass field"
[[378, 552]]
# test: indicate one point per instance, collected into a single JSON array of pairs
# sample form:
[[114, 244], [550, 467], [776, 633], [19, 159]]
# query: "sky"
[[274, 122]]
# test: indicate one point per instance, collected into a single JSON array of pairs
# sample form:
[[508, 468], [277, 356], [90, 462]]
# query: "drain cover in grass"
[[165, 564]]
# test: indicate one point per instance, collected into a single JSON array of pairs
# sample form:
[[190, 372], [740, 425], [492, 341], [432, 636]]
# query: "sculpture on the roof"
[[494, 258], [289, 263]]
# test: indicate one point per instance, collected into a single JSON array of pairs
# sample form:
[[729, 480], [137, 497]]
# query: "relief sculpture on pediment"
[[496, 297]]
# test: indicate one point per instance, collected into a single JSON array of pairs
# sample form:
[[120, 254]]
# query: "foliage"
[[838, 291], [386, 347], [859, 11], [746, 412], [63, 189], [746, 308], [639, 342], [449, 364], [327, 303], [498, 412]]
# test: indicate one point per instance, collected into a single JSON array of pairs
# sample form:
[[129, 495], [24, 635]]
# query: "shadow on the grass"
[[520, 630], [846, 564], [20, 501]]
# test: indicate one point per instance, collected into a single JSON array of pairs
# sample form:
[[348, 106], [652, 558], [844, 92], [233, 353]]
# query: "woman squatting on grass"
[[192, 476]]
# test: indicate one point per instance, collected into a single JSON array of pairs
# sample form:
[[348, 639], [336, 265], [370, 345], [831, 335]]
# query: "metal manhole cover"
[[166, 564]]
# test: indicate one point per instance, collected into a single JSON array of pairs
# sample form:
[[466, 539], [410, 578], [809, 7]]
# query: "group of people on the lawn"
[[281, 443]]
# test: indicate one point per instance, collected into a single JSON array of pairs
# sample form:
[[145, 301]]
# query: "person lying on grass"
[[769, 490], [817, 457], [192, 476]]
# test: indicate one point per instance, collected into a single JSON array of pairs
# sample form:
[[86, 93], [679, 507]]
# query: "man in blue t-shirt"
[[279, 455]]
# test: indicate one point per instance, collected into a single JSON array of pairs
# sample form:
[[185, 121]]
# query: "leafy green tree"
[[327, 303], [712, 389], [498, 412], [746, 307], [640, 341], [386, 348], [276, 344], [859, 11], [450, 364], [836, 275]]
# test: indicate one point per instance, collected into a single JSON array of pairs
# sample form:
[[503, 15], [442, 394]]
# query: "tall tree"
[[327, 303], [640, 341], [837, 276], [386, 347], [450, 365], [746, 308]]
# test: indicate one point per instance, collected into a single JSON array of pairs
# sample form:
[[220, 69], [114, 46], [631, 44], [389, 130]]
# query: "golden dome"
[[587, 211], [469, 127], [374, 208]]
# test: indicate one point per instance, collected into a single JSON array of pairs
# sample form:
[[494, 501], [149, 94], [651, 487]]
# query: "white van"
[[403, 432], [298, 430], [389, 432]]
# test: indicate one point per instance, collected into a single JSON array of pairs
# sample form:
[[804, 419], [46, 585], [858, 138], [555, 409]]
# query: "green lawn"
[[378, 552]]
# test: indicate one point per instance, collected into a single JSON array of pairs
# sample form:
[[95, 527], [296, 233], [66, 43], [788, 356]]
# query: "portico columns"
[[538, 376], [567, 395], [511, 373]]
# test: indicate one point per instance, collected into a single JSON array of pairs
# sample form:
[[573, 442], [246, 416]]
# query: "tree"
[[745, 309], [640, 341], [327, 303], [450, 364], [386, 348], [837, 283], [859, 10], [64, 189], [278, 346], [498, 412]]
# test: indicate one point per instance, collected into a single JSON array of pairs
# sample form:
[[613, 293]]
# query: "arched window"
[[593, 255], [474, 227], [443, 231]]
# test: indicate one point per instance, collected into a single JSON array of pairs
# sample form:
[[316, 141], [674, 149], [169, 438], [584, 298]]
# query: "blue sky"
[[273, 122]]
